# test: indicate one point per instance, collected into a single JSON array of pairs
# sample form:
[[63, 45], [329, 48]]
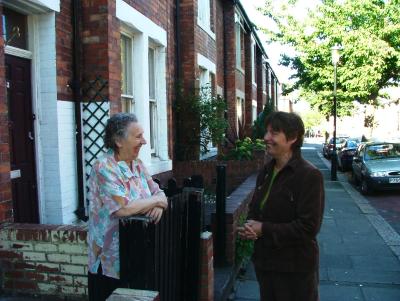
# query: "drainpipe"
[[76, 87]]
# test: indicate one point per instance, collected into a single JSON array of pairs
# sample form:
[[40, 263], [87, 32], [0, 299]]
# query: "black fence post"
[[220, 216], [193, 243]]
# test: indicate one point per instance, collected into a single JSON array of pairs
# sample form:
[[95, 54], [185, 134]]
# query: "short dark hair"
[[116, 128], [288, 123]]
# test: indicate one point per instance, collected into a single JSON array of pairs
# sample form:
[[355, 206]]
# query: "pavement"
[[359, 250]]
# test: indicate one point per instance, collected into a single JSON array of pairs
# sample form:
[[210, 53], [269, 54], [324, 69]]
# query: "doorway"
[[21, 140]]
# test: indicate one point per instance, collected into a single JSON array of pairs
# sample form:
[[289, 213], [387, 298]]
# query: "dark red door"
[[22, 143]]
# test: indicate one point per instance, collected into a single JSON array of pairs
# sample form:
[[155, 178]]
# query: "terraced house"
[[65, 66]]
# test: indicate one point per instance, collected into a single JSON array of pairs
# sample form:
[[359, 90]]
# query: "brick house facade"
[[78, 61], [50, 53]]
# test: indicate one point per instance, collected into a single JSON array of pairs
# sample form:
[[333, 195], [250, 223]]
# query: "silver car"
[[376, 166]]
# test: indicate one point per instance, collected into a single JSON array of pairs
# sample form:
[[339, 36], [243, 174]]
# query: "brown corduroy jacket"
[[291, 217]]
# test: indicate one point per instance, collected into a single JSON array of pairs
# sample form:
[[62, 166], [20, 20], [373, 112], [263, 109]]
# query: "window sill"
[[156, 166], [207, 29], [212, 153]]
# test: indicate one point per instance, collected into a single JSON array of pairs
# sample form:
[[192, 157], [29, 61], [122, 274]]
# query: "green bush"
[[243, 149], [243, 247]]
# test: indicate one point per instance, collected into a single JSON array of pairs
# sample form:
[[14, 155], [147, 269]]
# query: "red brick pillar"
[[5, 182], [207, 268], [187, 120], [230, 72], [101, 47]]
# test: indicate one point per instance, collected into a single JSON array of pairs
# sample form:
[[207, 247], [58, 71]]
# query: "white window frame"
[[253, 110], [147, 33], [128, 99], [204, 16], [253, 61], [153, 140], [238, 45]]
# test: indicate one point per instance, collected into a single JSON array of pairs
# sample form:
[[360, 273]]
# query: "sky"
[[274, 50]]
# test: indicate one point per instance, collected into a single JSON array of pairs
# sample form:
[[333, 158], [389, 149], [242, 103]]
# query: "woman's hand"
[[162, 202], [155, 214], [250, 230]]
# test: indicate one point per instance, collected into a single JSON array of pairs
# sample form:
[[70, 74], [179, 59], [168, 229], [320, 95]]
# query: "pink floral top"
[[107, 178]]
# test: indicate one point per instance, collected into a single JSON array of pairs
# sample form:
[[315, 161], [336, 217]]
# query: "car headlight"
[[379, 174]]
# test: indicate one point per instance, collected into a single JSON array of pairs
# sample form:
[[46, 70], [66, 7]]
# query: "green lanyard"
[[274, 173]]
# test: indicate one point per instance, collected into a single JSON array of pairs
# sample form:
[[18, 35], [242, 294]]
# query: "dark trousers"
[[278, 286], [101, 287]]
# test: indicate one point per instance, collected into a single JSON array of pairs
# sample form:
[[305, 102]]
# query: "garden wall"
[[43, 260], [236, 171]]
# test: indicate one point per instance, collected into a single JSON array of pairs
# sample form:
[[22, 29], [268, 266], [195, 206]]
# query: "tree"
[[368, 30], [312, 119], [259, 124]]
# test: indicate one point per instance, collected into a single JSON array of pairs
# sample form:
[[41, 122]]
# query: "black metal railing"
[[164, 257]]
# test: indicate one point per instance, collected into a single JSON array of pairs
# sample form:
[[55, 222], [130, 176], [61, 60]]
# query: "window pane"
[[153, 126], [15, 29], [152, 81], [239, 108], [127, 105], [238, 46], [126, 65]]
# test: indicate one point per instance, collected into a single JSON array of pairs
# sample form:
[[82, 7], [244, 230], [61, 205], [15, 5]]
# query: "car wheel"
[[354, 178], [340, 165], [365, 189], [344, 167]]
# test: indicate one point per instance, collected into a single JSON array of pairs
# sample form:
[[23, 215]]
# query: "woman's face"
[[129, 147], [277, 143]]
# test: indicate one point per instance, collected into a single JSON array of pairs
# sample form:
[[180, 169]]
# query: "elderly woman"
[[119, 186]]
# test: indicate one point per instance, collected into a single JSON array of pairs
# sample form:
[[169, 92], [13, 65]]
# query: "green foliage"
[[259, 123], [199, 120], [368, 31], [243, 149], [312, 119], [212, 122], [243, 247]]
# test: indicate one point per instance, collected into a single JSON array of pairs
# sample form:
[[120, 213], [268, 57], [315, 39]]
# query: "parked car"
[[376, 165], [327, 148], [346, 153]]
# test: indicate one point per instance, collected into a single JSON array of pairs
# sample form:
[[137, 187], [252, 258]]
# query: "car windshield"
[[338, 140], [382, 151], [352, 143]]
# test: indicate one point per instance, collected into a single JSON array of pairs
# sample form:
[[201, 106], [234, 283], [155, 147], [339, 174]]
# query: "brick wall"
[[205, 44], [230, 72], [5, 183], [101, 47], [206, 286], [236, 171], [44, 260], [219, 35], [64, 51], [237, 204]]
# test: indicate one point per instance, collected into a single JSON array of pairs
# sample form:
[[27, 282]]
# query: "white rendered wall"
[[55, 133]]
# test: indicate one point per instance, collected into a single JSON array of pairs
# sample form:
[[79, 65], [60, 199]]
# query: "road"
[[387, 203]]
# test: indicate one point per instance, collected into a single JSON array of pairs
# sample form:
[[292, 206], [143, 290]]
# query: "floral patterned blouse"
[[111, 178]]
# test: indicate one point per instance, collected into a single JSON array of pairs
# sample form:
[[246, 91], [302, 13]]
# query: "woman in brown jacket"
[[285, 215]]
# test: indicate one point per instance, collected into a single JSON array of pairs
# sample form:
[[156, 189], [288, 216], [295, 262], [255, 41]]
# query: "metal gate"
[[164, 257]]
